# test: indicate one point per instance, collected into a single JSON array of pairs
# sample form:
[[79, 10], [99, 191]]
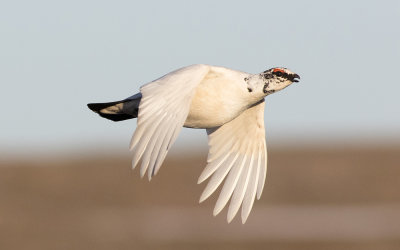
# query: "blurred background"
[[333, 139]]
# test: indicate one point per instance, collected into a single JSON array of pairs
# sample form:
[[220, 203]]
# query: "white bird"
[[229, 104]]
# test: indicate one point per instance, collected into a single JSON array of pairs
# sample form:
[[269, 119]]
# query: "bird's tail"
[[119, 110]]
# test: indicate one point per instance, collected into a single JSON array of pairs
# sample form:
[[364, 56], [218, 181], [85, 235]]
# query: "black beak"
[[294, 78]]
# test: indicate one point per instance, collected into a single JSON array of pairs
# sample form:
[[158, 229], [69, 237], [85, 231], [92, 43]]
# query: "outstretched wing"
[[238, 152], [162, 112]]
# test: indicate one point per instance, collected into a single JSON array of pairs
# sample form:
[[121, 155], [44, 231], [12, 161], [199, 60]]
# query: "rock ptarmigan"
[[229, 104]]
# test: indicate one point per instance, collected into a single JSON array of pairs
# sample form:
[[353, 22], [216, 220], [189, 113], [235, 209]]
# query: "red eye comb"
[[278, 70]]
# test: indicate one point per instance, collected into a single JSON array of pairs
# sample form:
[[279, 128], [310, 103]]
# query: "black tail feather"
[[116, 118], [117, 111], [96, 107]]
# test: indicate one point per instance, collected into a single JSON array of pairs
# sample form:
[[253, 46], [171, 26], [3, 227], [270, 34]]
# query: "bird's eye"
[[278, 73]]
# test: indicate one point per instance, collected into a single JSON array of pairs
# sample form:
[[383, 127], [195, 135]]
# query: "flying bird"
[[229, 104]]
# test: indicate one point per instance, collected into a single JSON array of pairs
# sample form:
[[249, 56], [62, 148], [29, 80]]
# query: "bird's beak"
[[294, 78]]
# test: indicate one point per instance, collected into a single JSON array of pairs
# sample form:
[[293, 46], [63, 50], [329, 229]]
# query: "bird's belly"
[[207, 118], [212, 107]]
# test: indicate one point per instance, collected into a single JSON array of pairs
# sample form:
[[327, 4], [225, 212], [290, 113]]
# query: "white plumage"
[[229, 104]]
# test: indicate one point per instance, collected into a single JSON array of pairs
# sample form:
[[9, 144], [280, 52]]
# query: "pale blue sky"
[[56, 56]]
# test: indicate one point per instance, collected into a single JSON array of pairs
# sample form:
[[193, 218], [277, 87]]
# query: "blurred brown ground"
[[315, 198]]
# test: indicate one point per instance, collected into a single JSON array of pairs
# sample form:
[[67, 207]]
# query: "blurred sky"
[[56, 56]]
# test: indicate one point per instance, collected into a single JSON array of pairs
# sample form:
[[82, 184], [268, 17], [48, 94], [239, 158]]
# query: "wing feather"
[[238, 156], [163, 110], [211, 167], [230, 183], [263, 171], [251, 190], [162, 133], [163, 150], [220, 148], [218, 176], [241, 188]]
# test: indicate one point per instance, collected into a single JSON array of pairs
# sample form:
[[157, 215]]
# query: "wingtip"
[[151, 173], [142, 172], [200, 180], [202, 198], [229, 217], [244, 219], [217, 210], [259, 194], [134, 162]]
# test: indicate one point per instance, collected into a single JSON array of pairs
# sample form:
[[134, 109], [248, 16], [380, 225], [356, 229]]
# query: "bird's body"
[[218, 98], [229, 104]]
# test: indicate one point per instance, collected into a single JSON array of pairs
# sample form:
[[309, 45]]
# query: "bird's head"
[[271, 81], [276, 79]]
